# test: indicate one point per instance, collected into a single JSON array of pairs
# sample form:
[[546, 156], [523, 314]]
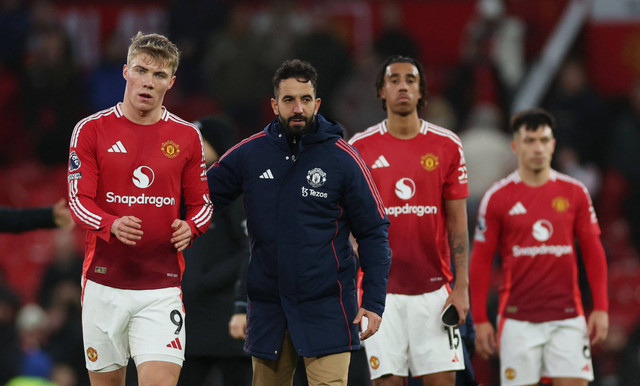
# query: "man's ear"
[[274, 106]]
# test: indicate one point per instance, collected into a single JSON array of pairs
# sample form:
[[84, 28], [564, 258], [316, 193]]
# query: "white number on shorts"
[[177, 322]]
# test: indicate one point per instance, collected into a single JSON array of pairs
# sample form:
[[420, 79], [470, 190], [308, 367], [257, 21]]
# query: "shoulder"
[[185, 127], [246, 144], [499, 189], [444, 135], [569, 183], [369, 134], [90, 122]]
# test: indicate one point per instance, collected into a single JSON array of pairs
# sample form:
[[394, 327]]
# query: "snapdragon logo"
[[405, 188], [143, 199], [419, 210], [554, 250], [143, 177], [542, 230]]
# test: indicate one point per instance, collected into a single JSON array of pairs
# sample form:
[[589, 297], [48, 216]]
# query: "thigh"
[[387, 349], [279, 372], [432, 348], [156, 330], [105, 319], [158, 373], [568, 353], [328, 370], [521, 348]]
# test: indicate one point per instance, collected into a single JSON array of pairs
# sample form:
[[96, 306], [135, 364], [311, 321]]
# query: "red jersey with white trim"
[[414, 177], [534, 230], [118, 168]]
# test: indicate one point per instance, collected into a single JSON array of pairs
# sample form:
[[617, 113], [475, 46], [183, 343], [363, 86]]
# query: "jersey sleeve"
[[595, 261], [456, 183], [82, 178], [196, 191], [484, 248], [369, 226]]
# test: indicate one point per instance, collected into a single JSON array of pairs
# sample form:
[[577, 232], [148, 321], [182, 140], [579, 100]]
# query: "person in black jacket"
[[17, 220], [213, 264]]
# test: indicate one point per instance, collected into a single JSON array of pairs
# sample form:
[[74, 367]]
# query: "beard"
[[296, 129]]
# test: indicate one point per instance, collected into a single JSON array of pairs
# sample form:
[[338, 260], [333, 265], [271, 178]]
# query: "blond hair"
[[156, 46]]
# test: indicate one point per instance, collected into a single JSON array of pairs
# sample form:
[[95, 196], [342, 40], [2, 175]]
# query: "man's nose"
[[297, 108]]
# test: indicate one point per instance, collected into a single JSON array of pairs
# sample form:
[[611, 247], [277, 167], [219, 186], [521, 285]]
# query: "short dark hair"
[[401, 59], [532, 119], [295, 68]]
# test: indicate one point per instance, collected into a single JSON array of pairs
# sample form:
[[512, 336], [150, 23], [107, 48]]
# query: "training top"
[[118, 168], [534, 231], [414, 177]]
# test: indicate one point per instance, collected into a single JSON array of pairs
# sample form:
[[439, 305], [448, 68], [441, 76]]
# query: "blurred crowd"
[[230, 49]]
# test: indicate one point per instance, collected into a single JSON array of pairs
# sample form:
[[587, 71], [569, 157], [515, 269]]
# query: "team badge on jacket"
[[316, 177]]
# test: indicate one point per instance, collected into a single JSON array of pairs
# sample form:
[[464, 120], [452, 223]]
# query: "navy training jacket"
[[300, 208]]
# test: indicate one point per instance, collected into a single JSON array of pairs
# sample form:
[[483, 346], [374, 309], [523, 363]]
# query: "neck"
[[403, 126], [141, 117], [534, 177]]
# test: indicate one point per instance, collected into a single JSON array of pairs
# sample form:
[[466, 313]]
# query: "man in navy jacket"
[[305, 190]]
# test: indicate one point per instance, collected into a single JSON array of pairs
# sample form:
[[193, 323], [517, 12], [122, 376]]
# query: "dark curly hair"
[[401, 59], [298, 69]]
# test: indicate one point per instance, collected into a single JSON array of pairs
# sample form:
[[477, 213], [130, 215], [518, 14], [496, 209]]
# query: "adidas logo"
[[455, 358], [117, 148], [381, 162], [175, 344], [518, 208], [267, 175]]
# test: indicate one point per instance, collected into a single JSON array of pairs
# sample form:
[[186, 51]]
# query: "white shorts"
[[147, 325], [555, 349], [411, 336]]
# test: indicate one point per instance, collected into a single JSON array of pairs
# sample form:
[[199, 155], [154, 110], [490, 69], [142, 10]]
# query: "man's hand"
[[237, 326], [373, 322], [181, 237], [127, 229], [62, 215], [485, 340], [459, 297], [598, 326]]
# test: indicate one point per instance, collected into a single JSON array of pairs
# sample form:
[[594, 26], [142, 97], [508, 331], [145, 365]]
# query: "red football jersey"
[[414, 177], [118, 168], [534, 230]]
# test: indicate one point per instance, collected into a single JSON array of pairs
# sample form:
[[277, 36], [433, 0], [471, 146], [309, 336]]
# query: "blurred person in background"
[[532, 219], [420, 171], [130, 169], [16, 220], [213, 263]]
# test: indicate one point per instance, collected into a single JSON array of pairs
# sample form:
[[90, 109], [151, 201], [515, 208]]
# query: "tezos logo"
[[542, 230], [405, 188], [143, 177], [316, 177]]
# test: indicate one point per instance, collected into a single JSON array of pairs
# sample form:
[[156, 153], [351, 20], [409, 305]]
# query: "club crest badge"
[[316, 177], [170, 149], [429, 161]]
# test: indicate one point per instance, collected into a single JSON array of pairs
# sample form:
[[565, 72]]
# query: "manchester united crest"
[[92, 354], [560, 204], [316, 177], [170, 149], [429, 161], [374, 362], [510, 373]]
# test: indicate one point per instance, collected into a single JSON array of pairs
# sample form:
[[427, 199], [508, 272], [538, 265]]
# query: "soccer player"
[[128, 166], [532, 218], [420, 171], [305, 190]]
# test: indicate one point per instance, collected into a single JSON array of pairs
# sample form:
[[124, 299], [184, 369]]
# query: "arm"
[[369, 226], [18, 220], [459, 246], [238, 322], [484, 248], [196, 199], [595, 263]]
